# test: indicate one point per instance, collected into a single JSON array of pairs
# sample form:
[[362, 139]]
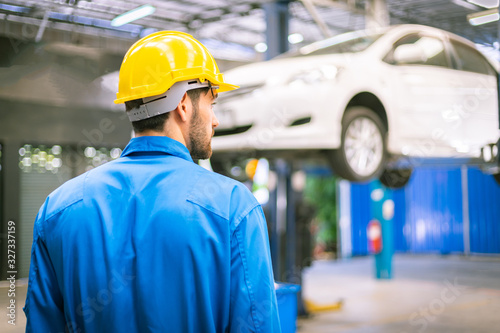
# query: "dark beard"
[[200, 148]]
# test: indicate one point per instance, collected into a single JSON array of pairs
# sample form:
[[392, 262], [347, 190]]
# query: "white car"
[[374, 102]]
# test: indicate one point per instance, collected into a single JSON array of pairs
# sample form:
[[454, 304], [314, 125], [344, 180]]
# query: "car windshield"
[[346, 43]]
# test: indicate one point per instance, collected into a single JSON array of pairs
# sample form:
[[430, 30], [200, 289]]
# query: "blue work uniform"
[[151, 242]]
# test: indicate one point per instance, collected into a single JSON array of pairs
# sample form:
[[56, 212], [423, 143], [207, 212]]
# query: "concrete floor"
[[429, 294]]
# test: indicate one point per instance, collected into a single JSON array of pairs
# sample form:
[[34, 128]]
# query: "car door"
[[476, 80], [422, 84]]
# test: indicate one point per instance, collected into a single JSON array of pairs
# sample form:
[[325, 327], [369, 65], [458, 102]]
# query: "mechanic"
[[152, 242]]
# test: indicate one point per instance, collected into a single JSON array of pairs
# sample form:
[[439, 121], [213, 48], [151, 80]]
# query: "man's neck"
[[176, 135]]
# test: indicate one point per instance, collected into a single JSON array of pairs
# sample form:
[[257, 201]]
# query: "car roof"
[[334, 40], [407, 28]]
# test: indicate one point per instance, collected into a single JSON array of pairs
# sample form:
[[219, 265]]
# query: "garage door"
[[36, 183]]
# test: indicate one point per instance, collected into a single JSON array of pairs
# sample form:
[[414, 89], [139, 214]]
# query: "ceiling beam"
[[24, 29]]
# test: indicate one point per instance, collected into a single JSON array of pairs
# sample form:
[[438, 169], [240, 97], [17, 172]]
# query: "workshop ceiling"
[[230, 28]]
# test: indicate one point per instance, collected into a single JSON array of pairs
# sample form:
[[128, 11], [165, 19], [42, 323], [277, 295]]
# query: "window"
[[354, 45], [346, 43], [471, 60], [416, 49]]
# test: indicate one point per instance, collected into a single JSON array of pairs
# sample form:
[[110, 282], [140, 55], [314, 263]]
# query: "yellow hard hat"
[[154, 63]]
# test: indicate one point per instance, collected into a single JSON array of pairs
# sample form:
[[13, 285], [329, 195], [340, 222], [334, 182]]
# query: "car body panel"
[[431, 111]]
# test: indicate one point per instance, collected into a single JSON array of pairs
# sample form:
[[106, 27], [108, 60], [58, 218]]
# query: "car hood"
[[279, 69]]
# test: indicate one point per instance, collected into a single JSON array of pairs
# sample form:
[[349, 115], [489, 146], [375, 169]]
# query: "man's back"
[[151, 243]]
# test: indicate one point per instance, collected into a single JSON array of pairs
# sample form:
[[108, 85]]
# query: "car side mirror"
[[409, 54]]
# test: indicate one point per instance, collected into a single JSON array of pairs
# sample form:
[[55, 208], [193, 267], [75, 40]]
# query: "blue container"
[[286, 295]]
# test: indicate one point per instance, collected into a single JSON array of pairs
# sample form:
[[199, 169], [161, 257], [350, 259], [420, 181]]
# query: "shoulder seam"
[[71, 202], [63, 208], [244, 214], [210, 209]]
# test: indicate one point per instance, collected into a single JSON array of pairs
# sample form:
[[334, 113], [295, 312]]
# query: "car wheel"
[[395, 178], [362, 152]]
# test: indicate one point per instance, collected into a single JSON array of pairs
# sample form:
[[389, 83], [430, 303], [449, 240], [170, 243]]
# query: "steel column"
[[498, 103], [291, 245], [274, 241], [377, 14], [277, 18]]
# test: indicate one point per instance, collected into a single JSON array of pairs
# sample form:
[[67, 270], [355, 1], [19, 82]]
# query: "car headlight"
[[314, 76]]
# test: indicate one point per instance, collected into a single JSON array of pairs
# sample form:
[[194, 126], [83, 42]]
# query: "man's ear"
[[184, 107]]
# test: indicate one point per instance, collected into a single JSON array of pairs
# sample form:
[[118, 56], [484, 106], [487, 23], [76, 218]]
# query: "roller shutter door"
[[34, 189]]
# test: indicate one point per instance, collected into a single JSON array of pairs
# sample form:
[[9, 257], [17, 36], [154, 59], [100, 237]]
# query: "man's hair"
[[156, 123]]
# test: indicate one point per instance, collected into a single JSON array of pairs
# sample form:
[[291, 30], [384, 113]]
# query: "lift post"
[[283, 237], [283, 231], [382, 210]]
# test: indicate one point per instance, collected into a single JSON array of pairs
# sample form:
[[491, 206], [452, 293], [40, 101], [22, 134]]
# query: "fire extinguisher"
[[374, 233]]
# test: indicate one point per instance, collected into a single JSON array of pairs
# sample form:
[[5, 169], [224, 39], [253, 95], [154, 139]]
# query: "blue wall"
[[429, 213], [434, 211], [484, 208], [360, 216]]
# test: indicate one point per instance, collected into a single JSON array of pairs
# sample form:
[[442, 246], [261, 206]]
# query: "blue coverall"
[[151, 242]]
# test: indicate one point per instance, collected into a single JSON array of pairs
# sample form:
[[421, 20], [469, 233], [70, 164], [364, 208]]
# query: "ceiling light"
[[133, 15], [16, 9], [483, 17], [260, 47], [466, 4], [485, 3], [295, 38]]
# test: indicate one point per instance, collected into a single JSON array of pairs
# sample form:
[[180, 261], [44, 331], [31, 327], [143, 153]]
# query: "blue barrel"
[[286, 295]]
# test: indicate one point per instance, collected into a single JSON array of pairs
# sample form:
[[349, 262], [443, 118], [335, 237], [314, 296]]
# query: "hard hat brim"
[[223, 87]]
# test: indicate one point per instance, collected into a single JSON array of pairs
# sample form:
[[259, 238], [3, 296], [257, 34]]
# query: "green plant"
[[320, 192]]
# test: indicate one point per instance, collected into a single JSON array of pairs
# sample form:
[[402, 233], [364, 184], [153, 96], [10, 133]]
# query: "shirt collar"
[[161, 144]]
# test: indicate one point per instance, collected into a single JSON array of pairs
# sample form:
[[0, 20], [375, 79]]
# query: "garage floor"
[[429, 294]]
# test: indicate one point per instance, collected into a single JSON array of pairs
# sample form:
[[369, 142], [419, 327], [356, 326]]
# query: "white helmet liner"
[[166, 102]]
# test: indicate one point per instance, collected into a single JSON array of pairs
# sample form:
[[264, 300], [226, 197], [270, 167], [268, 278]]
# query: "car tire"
[[221, 166], [230, 167], [395, 178], [497, 178], [362, 153]]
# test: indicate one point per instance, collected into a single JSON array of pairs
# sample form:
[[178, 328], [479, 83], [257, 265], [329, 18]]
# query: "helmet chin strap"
[[166, 102]]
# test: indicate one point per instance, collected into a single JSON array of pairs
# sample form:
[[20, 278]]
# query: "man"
[[151, 242]]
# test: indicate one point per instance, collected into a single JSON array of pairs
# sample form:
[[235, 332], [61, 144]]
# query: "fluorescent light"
[[295, 38], [16, 9], [133, 15], [485, 3], [483, 17], [465, 4], [260, 47]]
